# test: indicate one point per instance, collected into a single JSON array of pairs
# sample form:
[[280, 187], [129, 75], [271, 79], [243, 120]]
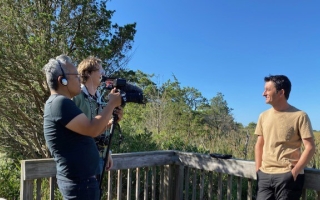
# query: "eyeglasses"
[[78, 75]]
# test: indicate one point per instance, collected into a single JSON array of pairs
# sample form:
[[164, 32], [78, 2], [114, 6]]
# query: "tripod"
[[114, 122]]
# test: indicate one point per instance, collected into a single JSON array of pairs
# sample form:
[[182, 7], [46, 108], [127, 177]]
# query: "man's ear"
[[282, 92], [87, 74]]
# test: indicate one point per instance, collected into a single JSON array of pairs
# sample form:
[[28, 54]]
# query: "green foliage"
[[33, 32], [133, 143], [9, 178]]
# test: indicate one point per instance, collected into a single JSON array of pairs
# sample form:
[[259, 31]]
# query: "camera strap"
[[96, 99], [103, 138]]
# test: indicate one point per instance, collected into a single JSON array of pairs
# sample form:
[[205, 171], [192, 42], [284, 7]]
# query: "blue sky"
[[229, 47]]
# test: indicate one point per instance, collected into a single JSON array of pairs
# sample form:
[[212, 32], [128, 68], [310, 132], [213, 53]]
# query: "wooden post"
[[26, 186], [137, 183], [154, 182], [186, 183], [146, 183], [229, 188], [52, 183], [129, 179], [201, 184], [210, 185], [110, 178], [239, 188], [194, 184], [220, 186], [119, 185], [178, 182], [249, 196]]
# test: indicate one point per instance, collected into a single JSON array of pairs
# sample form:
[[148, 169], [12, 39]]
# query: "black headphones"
[[64, 80]]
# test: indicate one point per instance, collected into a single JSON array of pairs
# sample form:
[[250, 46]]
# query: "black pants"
[[279, 186]]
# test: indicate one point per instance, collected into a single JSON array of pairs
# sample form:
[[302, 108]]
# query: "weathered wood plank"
[[239, 188], [186, 183], [249, 195], [38, 182], [178, 186], [170, 181], [119, 185], [26, 190], [234, 167], [38, 168], [137, 183], [229, 187], [141, 159], [210, 185], [201, 192], [219, 192], [129, 179], [110, 180], [154, 182], [52, 183], [146, 183], [194, 184], [166, 182], [44, 168], [161, 187]]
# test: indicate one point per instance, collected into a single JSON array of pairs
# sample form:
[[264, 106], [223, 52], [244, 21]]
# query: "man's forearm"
[[258, 157], [305, 158]]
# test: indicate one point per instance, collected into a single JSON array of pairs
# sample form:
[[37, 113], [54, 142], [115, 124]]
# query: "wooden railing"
[[170, 175]]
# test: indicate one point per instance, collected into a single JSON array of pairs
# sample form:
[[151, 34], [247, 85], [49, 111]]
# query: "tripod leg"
[[114, 121]]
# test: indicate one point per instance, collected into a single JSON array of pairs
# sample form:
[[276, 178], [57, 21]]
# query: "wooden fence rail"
[[167, 175]]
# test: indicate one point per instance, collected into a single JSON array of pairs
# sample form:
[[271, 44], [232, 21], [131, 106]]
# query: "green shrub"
[[9, 178]]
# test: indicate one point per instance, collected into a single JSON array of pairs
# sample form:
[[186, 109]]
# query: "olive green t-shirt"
[[282, 133], [90, 107]]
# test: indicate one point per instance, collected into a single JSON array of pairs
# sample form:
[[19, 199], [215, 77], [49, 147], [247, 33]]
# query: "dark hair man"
[[281, 130]]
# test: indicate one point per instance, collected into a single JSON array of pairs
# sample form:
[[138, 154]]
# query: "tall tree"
[[218, 114], [31, 33]]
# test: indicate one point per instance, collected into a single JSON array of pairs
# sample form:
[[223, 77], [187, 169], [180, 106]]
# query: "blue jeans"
[[101, 163], [81, 190]]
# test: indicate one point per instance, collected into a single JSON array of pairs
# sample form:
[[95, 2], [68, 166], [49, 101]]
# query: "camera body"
[[129, 92]]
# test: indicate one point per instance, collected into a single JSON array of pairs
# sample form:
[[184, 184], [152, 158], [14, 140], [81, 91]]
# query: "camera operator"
[[91, 103], [69, 133]]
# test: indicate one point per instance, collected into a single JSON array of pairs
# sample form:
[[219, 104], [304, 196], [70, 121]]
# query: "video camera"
[[129, 92]]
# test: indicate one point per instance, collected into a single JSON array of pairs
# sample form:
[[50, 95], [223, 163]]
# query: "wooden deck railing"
[[170, 175]]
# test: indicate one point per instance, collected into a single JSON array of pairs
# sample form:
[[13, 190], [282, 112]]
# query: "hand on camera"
[[114, 98]]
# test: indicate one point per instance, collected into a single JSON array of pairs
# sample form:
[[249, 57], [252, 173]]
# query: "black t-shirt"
[[76, 155]]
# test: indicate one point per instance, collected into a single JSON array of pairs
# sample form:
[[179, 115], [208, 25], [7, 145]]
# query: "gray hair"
[[52, 70]]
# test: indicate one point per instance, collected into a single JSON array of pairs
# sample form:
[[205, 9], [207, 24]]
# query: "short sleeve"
[[305, 127], [259, 129], [64, 110]]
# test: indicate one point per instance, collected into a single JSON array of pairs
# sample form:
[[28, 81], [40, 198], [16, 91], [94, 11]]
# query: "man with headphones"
[[69, 133]]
